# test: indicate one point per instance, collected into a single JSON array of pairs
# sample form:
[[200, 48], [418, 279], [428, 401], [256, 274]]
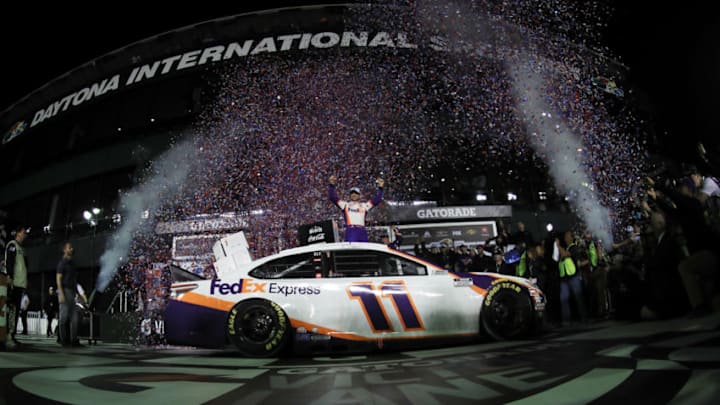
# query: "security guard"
[[16, 265], [570, 281], [530, 265]]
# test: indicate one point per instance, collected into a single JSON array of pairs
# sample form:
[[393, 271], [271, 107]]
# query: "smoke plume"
[[164, 180]]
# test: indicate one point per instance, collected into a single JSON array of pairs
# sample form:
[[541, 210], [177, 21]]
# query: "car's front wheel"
[[258, 328], [507, 311]]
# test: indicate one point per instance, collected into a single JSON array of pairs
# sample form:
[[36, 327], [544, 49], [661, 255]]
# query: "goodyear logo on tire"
[[499, 285], [231, 321], [282, 327]]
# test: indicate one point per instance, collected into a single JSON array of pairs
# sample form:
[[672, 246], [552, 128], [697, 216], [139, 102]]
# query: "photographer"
[[698, 267], [708, 193]]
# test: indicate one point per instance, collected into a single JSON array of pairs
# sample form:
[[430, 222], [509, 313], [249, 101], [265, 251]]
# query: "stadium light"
[[481, 197], [549, 227], [511, 197], [91, 216]]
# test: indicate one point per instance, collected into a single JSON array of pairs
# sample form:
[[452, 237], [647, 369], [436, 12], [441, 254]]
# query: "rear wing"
[[231, 253], [181, 275]]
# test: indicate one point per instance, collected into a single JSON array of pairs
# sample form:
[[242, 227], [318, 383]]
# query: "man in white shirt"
[[707, 185], [355, 210]]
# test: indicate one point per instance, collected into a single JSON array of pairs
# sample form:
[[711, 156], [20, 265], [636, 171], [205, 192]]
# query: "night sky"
[[672, 52], [674, 58]]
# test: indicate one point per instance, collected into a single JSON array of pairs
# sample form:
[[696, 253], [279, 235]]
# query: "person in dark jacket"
[[51, 309], [521, 238], [66, 278], [664, 295], [571, 282]]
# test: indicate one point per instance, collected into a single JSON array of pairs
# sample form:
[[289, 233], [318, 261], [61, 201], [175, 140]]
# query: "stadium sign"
[[449, 213], [221, 53], [251, 47], [76, 98], [222, 223]]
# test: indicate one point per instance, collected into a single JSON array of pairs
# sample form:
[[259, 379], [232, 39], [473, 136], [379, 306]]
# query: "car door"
[[392, 295]]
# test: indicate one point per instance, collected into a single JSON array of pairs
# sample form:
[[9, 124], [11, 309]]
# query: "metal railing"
[[36, 323], [119, 303]]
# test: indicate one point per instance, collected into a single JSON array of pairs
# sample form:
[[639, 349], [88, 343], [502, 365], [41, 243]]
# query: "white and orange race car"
[[341, 296]]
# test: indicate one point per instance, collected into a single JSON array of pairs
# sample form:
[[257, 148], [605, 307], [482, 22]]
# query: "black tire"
[[258, 328], [507, 311]]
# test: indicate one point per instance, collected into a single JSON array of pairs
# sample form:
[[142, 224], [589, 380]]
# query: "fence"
[[37, 323]]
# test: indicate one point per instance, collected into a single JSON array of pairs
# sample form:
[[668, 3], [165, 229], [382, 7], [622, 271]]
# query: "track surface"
[[674, 361]]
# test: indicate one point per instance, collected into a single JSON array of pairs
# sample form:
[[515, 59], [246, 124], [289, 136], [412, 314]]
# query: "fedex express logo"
[[242, 286], [217, 287]]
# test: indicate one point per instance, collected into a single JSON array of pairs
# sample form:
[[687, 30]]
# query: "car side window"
[[398, 266], [344, 263], [355, 263], [303, 265], [358, 263]]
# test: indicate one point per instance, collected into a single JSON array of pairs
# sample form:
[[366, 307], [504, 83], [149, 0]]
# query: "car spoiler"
[[180, 275], [231, 253]]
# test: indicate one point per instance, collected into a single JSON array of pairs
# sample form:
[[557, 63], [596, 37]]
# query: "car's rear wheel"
[[258, 328], [507, 311]]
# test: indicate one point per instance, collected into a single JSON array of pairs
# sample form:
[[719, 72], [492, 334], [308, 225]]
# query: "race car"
[[343, 296]]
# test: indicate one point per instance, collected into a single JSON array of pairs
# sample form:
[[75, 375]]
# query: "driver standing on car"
[[355, 210]]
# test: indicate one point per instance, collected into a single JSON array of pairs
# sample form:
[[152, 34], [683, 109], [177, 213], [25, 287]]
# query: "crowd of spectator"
[[666, 265]]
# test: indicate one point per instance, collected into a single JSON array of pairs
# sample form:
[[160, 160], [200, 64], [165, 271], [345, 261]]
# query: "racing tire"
[[507, 311], [258, 328]]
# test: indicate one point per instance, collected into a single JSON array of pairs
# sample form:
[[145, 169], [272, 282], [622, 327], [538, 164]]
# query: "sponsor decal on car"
[[241, 286], [537, 298], [217, 287], [462, 282], [286, 290]]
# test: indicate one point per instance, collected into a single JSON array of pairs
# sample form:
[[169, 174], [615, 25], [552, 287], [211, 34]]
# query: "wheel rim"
[[506, 316], [257, 325]]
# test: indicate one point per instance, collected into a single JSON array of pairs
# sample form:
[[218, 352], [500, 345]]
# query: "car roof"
[[331, 247], [325, 247]]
